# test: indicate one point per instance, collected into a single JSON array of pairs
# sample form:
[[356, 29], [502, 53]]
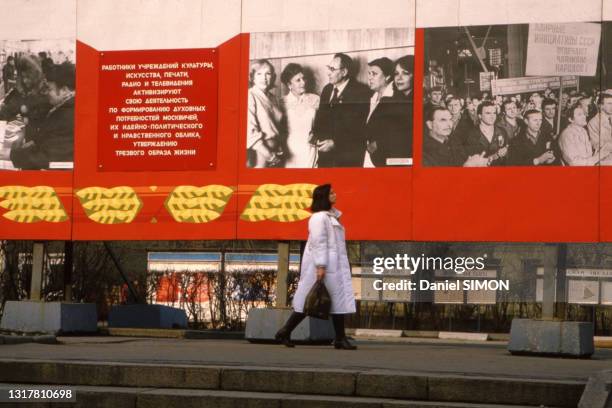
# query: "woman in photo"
[[300, 108], [263, 117], [380, 76], [389, 124], [402, 95], [325, 258]]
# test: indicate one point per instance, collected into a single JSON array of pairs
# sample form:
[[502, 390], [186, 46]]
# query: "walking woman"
[[324, 258]]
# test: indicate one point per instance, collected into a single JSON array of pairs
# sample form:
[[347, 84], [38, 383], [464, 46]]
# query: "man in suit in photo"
[[339, 125]]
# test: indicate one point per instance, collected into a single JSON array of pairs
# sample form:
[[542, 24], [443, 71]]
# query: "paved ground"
[[415, 355]]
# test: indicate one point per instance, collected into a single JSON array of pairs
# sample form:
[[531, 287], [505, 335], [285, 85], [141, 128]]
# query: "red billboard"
[[166, 147], [185, 196], [158, 110]]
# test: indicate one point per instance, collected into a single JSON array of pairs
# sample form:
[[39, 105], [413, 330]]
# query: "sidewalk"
[[410, 355]]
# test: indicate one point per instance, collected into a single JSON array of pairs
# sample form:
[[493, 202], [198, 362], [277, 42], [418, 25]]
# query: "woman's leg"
[[284, 334], [341, 342], [338, 321]]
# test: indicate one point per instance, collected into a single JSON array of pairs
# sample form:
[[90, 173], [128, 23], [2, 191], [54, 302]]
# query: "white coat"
[[326, 247]]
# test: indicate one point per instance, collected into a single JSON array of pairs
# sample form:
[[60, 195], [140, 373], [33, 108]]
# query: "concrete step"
[[311, 381], [121, 397]]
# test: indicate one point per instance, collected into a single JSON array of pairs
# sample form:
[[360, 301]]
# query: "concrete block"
[[50, 317], [391, 385], [378, 333], [262, 325], [577, 339], [463, 336], [296, 381], [147, 316], [598, 391], [551, 338]]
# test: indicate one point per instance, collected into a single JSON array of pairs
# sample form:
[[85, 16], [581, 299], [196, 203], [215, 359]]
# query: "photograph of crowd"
[[340, 98], [37, 104], [482, 108]]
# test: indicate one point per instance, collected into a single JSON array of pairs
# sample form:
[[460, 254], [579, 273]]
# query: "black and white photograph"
[[37, 96], [326, 99], [605, 104], [516, 95]]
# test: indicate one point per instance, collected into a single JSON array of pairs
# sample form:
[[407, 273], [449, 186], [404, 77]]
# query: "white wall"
[[446, 13], [157, 24]]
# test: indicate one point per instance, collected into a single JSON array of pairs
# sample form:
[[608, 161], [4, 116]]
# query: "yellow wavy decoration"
[[32, 204], [281, 203], [117, 205], [186, 204], [198, 205]]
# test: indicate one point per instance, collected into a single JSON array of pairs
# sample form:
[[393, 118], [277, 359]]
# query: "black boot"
[[284, 334], [341, 341]]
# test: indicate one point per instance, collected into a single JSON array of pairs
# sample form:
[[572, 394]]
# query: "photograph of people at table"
[[37, 105], [516, 95], [326, 99]]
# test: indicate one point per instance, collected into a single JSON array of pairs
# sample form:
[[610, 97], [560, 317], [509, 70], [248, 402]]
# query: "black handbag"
[[318, 301]]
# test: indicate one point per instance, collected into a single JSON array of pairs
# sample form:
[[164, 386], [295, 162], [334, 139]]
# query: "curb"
[[599, 341], [172, 333]]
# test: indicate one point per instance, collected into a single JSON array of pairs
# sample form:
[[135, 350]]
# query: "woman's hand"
[[320, 272]]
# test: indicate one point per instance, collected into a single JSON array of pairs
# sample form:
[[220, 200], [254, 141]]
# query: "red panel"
[[153, 221], [605, 214], [377, 203], [529, 204], [117, 100]]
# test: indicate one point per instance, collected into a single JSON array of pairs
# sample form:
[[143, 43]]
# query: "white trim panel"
[[38, 20], [298, 15], [452, 13], [157, 24]]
